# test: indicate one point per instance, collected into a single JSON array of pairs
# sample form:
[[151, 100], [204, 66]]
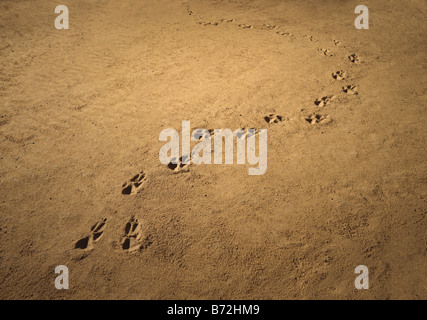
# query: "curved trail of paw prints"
[[312, 118], [133, 239]]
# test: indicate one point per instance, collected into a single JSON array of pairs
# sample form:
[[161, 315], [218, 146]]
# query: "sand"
[[82, 184]]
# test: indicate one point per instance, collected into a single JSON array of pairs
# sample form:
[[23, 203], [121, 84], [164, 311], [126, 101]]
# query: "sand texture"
[[82, 185]]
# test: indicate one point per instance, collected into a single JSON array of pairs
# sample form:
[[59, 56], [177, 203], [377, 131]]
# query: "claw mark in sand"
[[134, 185], [96, 233]]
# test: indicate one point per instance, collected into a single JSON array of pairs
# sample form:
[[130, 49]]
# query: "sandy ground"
[[82, 110]]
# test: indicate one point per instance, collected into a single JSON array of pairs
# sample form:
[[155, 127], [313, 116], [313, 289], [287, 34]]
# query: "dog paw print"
[[202, 134], [273, 118], [134, 185], [96, 232], [269, 26], [179, 165], [208, 23], [354, 58], [326, 52], [324, 101], [318, 118], [246, 133], [339, 75], [245, 26], [189, 11], [350, 89], [283, 33], [132, 240]]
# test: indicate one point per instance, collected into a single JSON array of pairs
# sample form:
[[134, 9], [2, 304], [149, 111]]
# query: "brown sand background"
[[81, 113]]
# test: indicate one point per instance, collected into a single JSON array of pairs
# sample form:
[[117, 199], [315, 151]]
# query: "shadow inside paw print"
[[339, 75], [273, 118], [318, 118], [350, 89], [324, 101], [132, 240], [354, 58], [179, 165], [134, 185], [96, 232]]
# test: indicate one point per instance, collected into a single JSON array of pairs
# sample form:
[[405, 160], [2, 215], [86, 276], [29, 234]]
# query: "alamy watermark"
[[362, 280], [62, 281], [202, 151], [61, 21], [362, 20]]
